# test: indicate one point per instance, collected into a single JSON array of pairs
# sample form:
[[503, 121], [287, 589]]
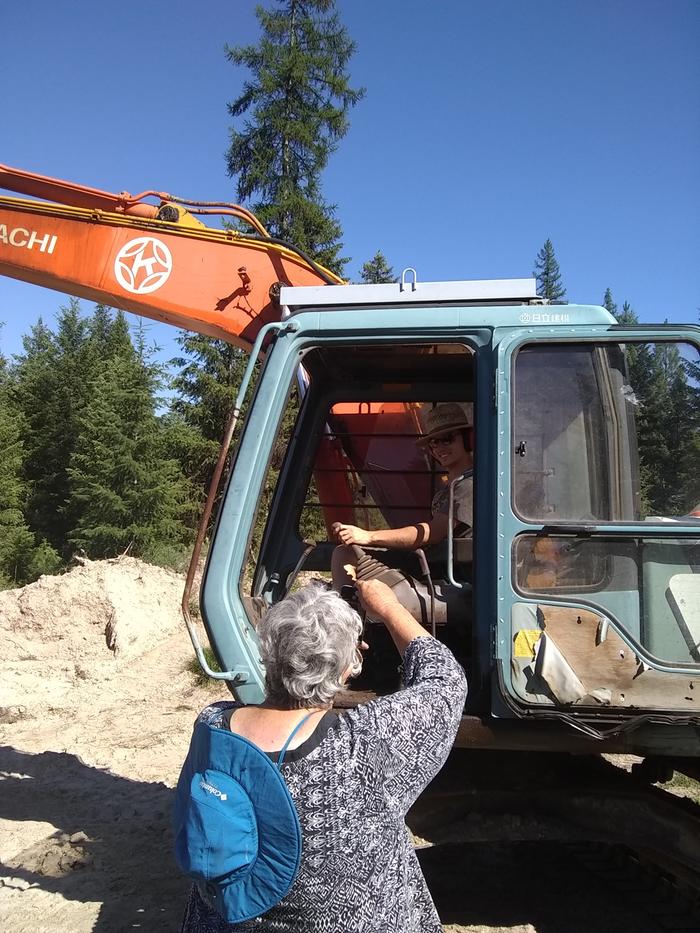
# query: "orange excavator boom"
[[156, 260]]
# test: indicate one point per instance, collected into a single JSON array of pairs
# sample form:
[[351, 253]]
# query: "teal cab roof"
[[482, 302]]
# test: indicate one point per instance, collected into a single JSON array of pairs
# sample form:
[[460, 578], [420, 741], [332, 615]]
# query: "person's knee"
[[343, 556]]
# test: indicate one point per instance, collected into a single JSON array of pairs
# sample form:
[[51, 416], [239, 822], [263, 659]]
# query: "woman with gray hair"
[[352, 775], [309, 646]]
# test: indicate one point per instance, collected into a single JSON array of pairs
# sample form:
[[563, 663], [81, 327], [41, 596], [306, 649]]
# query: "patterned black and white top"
[[352, 783]]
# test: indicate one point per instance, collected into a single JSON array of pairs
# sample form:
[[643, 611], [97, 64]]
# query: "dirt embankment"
[[95, 715]]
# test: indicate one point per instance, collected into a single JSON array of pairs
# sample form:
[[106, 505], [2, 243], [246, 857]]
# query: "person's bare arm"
[[380, 602], [407, 538]]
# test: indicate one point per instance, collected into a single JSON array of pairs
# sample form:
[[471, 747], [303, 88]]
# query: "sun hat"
[[441, 420], [237, 832]]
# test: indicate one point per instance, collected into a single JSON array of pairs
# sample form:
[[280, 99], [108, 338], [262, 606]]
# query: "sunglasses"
[[444, 440]]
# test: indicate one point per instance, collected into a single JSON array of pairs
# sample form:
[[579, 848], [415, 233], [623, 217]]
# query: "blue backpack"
[[237, 832]]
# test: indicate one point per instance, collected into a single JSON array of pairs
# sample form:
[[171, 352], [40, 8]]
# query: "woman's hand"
[[381, 604], [350, 534], [377, 599]]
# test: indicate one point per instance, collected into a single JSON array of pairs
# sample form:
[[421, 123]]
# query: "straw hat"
[[443, 419]]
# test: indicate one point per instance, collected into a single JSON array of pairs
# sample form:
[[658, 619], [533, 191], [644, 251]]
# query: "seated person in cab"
[[448, 437]]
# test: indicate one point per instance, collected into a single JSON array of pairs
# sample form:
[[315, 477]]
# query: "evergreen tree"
[[128, 493], [641, 369], [15, 538], [609, 304], [680, 430], [546, 271], [297, 101], [689, 468], [627, 315], [44, 403], [96, 474], [207, 384], [665, 394], [21, 560], [53, 387], [377, 271]]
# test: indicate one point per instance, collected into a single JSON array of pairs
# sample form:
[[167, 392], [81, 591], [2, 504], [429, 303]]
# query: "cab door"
[[227, 620], [331, 433], [598, 547]]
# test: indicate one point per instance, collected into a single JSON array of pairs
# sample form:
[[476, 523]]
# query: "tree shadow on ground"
[[113, 843]]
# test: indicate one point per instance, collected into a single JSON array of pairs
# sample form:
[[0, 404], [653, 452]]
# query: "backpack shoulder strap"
[[280, 757]]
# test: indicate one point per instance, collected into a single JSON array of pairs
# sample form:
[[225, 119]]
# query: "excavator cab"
[[569, 603]]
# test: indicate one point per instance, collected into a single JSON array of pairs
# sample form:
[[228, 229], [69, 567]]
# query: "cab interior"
[[347, 452]]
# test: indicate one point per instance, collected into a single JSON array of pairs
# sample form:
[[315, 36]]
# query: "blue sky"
[[488, 126]]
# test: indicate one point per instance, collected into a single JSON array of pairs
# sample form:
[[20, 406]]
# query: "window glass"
[[284, 435], [650, 586], [606, 432]]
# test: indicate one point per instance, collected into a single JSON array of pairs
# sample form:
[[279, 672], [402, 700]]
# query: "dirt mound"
[[123, 606], [96, 710], [87, 625]]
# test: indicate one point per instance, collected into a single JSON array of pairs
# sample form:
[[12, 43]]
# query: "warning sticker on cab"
[[525, 641]]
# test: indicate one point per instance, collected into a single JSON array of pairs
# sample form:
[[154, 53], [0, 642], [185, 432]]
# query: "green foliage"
[[127, 493], [202, 679], [43, 559], [167, 554], [546, 271], [12, 489], [297, 101], [627, 315], [210, 373], [667, 418], [289, 417], [608, 303], [93, 466], [46, 393], [377, 271], [671, 420], [21, 559]]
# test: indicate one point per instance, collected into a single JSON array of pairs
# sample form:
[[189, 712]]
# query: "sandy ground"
[[96, 711], [95, 717]]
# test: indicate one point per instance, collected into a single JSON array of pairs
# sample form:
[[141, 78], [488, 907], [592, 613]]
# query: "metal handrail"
[[450, 539]]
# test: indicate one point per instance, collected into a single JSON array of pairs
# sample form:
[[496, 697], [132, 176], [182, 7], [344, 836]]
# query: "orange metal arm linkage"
[[119, 250]]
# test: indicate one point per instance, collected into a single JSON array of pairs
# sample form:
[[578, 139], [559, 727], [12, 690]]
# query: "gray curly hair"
[[307, 642]]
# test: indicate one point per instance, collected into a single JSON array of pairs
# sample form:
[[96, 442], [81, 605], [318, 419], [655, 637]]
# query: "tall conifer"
[[377, 271], [96, 474], [21, 559], [296, 102], [665, 394], [128, 493], [627, 315], [609, 303], [45, 403], [546, 271]]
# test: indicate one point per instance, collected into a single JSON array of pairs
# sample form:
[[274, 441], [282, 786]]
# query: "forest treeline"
[[106, 450]]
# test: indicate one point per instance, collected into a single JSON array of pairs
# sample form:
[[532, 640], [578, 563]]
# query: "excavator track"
[[554, 887], [635, 844]]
